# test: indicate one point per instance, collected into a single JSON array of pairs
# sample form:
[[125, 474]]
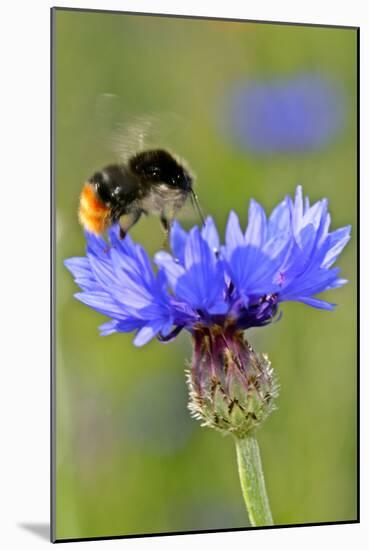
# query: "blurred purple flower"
[[287, 256], [298, 114]]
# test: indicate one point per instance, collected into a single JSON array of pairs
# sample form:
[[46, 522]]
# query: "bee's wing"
[[125, 134], [133, 137], [115, 136]]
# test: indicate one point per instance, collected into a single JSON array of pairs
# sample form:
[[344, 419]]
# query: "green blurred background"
[[129, 458]]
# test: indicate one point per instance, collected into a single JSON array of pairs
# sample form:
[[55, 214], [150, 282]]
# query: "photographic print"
[[204, 360]]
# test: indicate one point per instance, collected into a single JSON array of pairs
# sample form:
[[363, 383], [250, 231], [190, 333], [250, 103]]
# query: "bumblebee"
[[150, 182]]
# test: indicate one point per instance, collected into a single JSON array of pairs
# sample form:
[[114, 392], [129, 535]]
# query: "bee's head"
[[159, 166]]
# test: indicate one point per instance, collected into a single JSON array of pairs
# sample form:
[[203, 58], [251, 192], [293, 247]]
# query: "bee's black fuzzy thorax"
[[159, 166]]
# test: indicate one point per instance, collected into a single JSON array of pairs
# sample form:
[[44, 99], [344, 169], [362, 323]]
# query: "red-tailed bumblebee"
[[150, 182]]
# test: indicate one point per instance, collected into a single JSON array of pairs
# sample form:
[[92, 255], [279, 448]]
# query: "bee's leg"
[[128, 221], [166, 225]]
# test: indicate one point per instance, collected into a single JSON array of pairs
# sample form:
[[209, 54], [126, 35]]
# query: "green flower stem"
[[252, 481]]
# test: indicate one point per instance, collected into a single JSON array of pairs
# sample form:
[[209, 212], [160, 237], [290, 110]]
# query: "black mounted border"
[[53, 281]]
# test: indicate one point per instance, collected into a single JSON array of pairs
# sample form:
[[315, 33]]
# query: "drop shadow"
[[42, 530]]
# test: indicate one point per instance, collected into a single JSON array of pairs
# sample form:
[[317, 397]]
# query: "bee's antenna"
[[196, 205]]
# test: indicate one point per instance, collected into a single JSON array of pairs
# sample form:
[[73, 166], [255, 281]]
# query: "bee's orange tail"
[[93, 214]]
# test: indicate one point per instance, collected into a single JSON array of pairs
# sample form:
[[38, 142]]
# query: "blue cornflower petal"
[[250, 261], [288, 256], [256, 231], [79, 267], [210, 234], [199, 282], [178, 238], [102, 271], [234, 237], [196, 249], [307, 284], [126, 325], [280, 218], [118, 281], [95, 244], [319, 304], [202, 289], [304, 271], [298, 211], [202, 283], [108, 328], [102, 302], [251, 272], [337, 283], [172, 268], [146, 333], [336, 242]]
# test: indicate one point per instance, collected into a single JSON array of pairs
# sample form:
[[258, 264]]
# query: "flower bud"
[[232, 388]]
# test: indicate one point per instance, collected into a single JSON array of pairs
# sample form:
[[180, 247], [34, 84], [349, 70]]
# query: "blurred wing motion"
[[146, 177], [142, 131], [134, 137]]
